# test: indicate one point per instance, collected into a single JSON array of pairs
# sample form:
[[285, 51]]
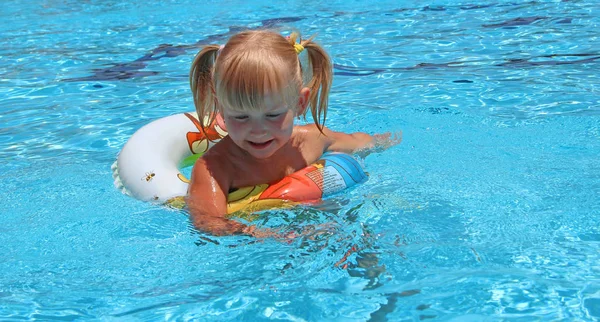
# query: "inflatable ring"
[[148, 168]]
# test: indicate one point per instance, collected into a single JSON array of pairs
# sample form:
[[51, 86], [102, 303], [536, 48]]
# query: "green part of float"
[[189, 161]]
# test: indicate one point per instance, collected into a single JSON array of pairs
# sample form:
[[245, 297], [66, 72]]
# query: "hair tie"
[[297, 46], [220, 49]]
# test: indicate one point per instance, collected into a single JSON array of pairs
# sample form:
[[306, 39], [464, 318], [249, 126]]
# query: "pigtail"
[[202, 84], [320, 82]]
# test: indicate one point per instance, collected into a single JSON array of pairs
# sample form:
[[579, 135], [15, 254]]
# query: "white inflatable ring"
[[147, 167]]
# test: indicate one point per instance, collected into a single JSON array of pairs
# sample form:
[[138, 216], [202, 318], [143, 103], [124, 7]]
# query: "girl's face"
[[261, 132]]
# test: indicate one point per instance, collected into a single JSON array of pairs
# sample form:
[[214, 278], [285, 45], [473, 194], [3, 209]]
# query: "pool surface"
[[489, 209]]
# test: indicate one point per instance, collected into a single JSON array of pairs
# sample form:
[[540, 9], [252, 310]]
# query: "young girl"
[[255, 85]]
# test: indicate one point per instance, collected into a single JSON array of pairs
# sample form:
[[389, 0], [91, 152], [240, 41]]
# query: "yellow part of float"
[[241, 201]]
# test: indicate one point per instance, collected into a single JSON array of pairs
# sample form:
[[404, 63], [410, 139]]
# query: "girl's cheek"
[[283, 121], [230, 123], [235, 127]]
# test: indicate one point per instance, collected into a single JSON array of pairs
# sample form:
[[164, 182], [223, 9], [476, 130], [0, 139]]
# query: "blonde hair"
[[253, 64]]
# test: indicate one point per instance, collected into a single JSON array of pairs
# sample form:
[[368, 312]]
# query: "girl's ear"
[[303, 101]]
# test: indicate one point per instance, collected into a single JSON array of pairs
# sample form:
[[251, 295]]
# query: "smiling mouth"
[[260, 145]]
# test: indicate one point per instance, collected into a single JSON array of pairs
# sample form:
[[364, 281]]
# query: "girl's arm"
[[207, 199], [207, 202]]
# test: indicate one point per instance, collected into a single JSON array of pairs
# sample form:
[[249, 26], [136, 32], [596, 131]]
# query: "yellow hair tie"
[[292, 38], [299, 48]]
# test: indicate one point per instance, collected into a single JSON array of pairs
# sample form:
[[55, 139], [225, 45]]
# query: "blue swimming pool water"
[[488, 210]]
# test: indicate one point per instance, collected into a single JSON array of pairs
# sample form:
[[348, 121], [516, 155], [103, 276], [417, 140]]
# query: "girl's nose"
[[257, 127]]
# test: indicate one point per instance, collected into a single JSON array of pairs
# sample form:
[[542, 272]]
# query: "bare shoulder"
[[214, 163], [305, 129], [212, 172], [310, 132], [309, 136]]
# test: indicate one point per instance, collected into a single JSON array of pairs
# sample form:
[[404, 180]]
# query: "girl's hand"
[[380, 143], [267, 233], [386, 140]]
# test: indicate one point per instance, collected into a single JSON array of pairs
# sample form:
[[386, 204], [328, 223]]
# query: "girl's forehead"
[[271, 100], [265, 108], [267, 102]]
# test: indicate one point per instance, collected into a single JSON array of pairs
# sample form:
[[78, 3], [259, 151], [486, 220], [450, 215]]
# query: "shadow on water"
[[127, 70], [133, 69]]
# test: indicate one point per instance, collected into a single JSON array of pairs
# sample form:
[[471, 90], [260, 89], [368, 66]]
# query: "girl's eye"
[[241, 117], [273, 116]]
